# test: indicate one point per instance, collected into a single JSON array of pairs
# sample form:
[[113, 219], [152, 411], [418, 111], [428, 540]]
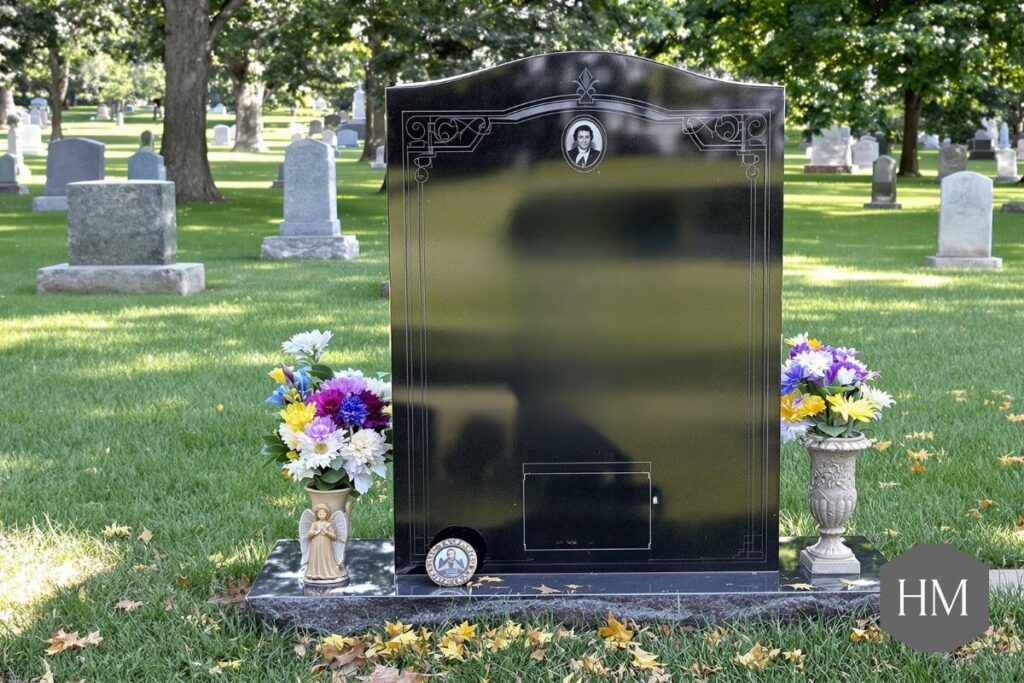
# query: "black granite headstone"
[[883, 184], [585, 310]]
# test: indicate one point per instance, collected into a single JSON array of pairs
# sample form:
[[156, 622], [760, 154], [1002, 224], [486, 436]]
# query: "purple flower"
[[798, 349], [791, 377], [346, 385], [846, 371], [321, 428], [352, 412]]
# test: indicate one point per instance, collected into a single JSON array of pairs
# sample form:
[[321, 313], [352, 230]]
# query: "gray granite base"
[[374, 594], [963, 262], [1006, 180], [49, 203], [11, 188], [818, 567], [345, 247], [327, 227], [277, 184], [1013, 207], [819, 168], [377, 167], [178, 278], [884, 205]]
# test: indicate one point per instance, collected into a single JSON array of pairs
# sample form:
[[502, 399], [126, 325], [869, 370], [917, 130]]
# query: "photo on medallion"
[[583, 143], [451, 563]]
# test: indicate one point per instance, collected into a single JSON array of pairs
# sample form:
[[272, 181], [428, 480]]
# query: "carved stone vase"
[[336, 501], [832, 497]]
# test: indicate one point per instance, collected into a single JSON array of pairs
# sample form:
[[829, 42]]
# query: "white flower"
[[310, 344], [791, 431], [289, 436], [846, 376], [298, 469], [319, 453], [816, 362], [878, 398], [363, 457], [797, 340], [350, 372], [379, 387]]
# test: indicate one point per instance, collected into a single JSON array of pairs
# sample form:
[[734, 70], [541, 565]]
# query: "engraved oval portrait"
[[583, 143], [451, 562]]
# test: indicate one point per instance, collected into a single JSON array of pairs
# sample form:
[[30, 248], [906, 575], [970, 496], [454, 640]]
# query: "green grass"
[[111, 417]]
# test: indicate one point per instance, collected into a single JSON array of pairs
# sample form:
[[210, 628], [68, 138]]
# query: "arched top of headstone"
[[84, 144], [307, 143], [967, 179]]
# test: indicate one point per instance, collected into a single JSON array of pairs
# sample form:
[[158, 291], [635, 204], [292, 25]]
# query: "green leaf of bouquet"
[[332, 476], [272, 440], [831, 430], [321, 372]]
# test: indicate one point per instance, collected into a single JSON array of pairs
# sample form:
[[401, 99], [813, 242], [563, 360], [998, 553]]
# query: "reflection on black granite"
[[371, 566]]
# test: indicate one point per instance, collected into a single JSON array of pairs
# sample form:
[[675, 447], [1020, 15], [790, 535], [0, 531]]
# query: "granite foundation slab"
[[892, 206], [279, 598], [55, 203], [963, 262], [177, 278], [1006, 180], [817, 168], [1013, 207], [344, 247]]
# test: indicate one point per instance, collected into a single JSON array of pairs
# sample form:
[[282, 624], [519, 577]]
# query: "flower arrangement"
[[334, 425], [825, 391]]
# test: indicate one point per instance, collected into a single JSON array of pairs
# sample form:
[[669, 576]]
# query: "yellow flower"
[[861, 409], [298, 415], [814, 344], [293, 455], [277, 374], [789, 407], [810, 405]]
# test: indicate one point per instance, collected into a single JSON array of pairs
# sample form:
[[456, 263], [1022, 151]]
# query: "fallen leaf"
[[615, 631], [234, 593], [489, 579], [146, 536], [858, 582], [220, 407], [643, 660], [795, 656], [892, 533], [1011, 459], [61, 641], [918, 455], [985, 503], [299, 650], [545, 590], [128, 605], [757, 657], [917, 468], [47, 676], [870, 634], [1005, 405], [388, 674], [112, 530], [800, 586], [81, 594], [182, 580], [888, 484], [973, 513], [223, 665], [921, 436], [573, 587], [882, 445], [537, 637], [462, 632], [1015, 418], [539, 654], [946, 528], [713, 638]]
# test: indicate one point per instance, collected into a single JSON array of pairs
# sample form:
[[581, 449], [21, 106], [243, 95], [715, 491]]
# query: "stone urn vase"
[[324, 530], [832, 497]]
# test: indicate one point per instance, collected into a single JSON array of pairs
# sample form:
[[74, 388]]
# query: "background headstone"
[[931, 141], [952, 159], [146, 139], [830, 151], [36, 117], [122, 237], [359, 104], [231, 134], [379, 163], [330, 137], [883, 184], [31, 139], [68, 161], [348, 138], [1004, 136], [221, 135], [279, 181], [102, 113], [9, 176], [332, 120], [864, 152], [981, 145], [965, 223], [39, 103], [310, 229], [218, 108], [146, 164], [14, 149], [129, 109], [316, 127], [1006, 166]]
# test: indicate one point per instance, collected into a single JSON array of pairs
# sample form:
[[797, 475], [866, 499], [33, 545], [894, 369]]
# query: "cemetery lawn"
[[133, 416]]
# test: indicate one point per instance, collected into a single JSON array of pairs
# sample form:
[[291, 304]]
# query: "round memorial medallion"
[[583, 143], [451, 562]]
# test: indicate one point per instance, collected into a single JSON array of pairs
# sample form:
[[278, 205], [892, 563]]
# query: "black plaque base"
[[883, 205], [1013, 207], [983, 154], [279, 597]]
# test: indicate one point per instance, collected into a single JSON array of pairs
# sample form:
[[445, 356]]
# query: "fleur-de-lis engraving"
[[585, 86]]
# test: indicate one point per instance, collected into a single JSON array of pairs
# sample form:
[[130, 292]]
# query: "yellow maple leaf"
[[882, 445], [643, 660], [985, 503], [757, 657], [795, 656], [334, 645], [917, 468], [545, 590], [713, 638], [395, 629], [464, 631], [112, 530], [537, 637], [593, 664], [146, 536], [918, 455], [538, 654], [921, 436], [972, 513], [888, 484], [1015, 418], [1011, 459], [128, 605], [892, 533], [1005, 405], [870, 634], [615, 631], [224, 665], [451, 649]]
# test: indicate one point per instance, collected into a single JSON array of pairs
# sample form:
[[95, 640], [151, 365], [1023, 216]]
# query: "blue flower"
[[791, 377], [303, 383], [277, 398], [353, 412]]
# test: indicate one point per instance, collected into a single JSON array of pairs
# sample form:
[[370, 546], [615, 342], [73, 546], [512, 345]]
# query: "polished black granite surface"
[[585, 342], [278, 595]]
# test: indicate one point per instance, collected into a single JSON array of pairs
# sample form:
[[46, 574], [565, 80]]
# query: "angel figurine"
[[322, 536]]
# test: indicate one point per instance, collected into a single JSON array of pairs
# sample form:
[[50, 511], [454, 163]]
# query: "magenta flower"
[[346, 385], [328, 402]]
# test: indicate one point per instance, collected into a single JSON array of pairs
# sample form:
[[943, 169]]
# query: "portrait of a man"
[[450, 565], [583, 142]]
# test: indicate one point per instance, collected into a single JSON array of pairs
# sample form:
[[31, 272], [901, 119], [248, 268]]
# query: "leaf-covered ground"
[[129, 469]]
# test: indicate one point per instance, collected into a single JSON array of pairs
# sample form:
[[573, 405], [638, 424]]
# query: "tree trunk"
[[374, 103], [248, 106], [187, 46], [59, 70], [6, 104], [912, 106]]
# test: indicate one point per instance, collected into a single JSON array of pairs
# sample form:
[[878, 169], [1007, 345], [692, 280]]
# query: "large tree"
[[189, 35]]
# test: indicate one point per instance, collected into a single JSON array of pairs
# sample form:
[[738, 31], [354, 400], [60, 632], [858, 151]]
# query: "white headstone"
[[221, 136], [359, 104], [31, 139], [932, 141], [1006, 166], [320, 103], [992, 131], [36, 116], [218, 108], [864, 152], [952, 159], [832, 147], [1004, 136], [330, 137], [965, 223], [39, 103], [120, 118], [102, 113], [348, 138], [379, 164]]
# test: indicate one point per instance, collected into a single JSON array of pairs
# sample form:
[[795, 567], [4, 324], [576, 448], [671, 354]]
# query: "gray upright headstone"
[[981, 145], [146, 165], [883, 184], [122, 237], [68, 161], [316, 127], [9, 176], [348, 138], [329, 137], [36, 116], [102, 113], [965, 223], [1006, 166], [830, 151], [952, 159], [279, 180], [379, 163], [31, 139], [864, 152], [146, 139], [310, 228], [221, 135], [332, 120]]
